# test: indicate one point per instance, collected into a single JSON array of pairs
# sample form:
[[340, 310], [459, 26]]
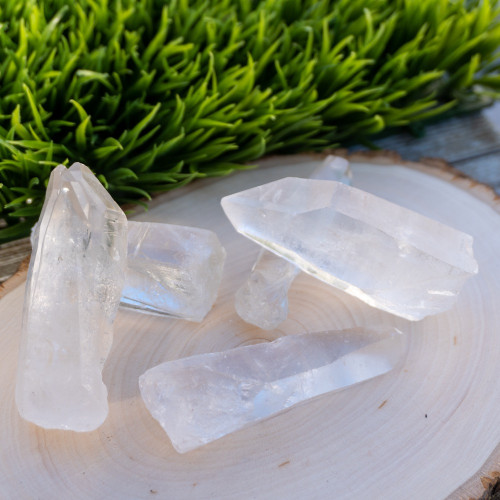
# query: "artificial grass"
[[152, 95]]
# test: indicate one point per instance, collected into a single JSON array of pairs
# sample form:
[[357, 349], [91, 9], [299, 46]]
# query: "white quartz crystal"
[[386, 255], [263, 299], [172, 270], [202, 398], [72, 294]]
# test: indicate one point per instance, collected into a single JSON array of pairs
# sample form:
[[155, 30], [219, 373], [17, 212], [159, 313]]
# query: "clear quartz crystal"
[[388, 256], [202, 398], [172, 270], [72, 295], [333, 168], [263, 299]]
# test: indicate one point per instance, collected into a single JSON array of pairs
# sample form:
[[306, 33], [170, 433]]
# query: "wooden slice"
[[420, 432]]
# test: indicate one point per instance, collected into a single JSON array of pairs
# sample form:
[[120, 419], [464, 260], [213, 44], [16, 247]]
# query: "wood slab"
[[421, 432]]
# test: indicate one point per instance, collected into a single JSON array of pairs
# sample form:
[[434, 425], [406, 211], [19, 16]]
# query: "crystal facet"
[[172, 270], [386, 255], [202, 398], [72, 294], [263, 299]]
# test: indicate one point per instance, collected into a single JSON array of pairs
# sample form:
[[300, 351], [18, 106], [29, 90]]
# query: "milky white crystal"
[[388, 256], [72, 294], [202, 398], [172, 270], [263, 299]]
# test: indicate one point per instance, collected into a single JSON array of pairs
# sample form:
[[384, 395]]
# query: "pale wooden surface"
[[417, 433]]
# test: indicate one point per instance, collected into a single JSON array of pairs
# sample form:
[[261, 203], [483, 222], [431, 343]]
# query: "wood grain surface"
[[460, 140], [420, 432]]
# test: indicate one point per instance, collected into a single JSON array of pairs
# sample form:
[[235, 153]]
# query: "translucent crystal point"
[[172, 270], [263, 299], [72, 294], [388, 256], [202, 398], [333, 168]]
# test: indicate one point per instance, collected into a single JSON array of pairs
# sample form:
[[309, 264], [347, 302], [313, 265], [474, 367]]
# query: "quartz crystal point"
[[333, 168], [72, 294], [263, 299], [386, 255], [172, 270], [202, 398]]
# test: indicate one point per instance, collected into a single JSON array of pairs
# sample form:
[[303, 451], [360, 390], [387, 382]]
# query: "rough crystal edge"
[[204, 360]]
